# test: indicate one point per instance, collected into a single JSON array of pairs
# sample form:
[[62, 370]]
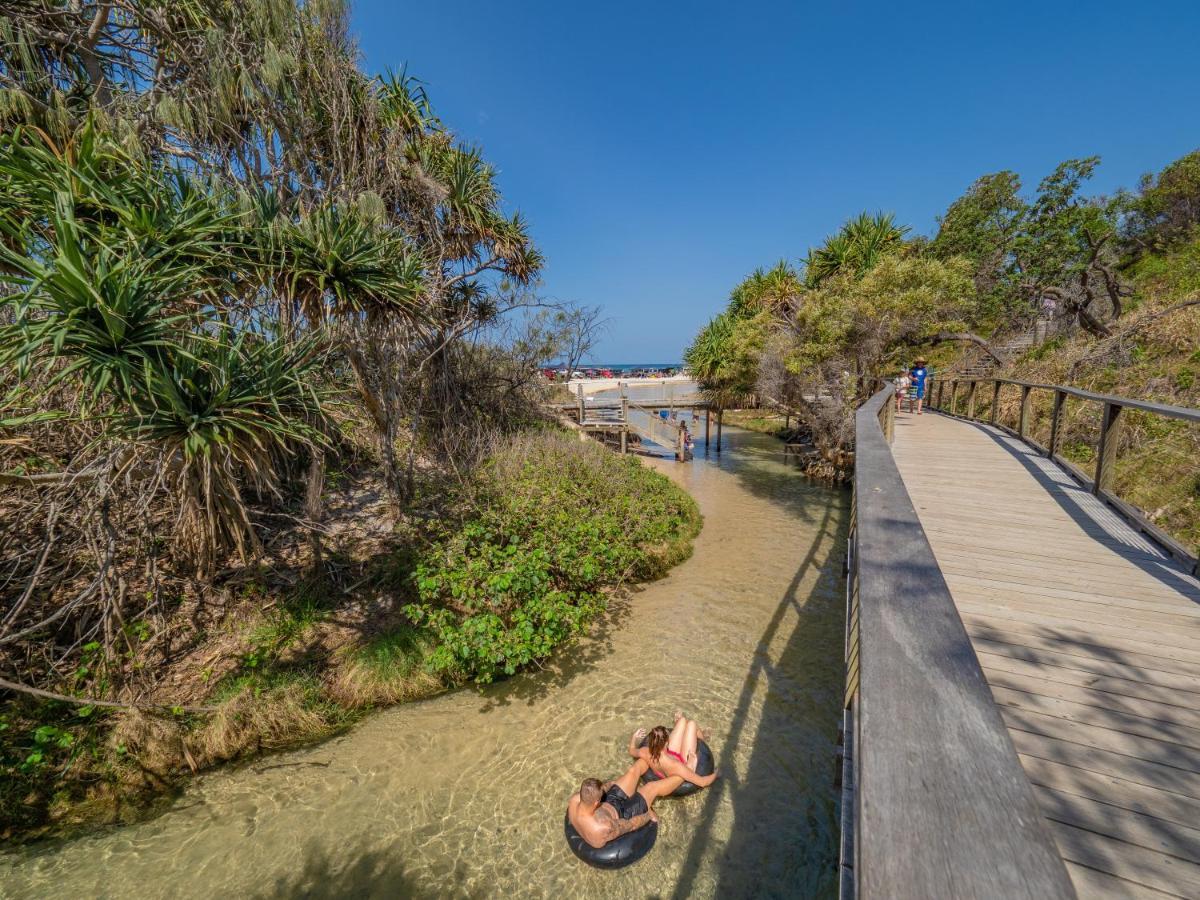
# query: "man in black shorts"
[[604, 811]]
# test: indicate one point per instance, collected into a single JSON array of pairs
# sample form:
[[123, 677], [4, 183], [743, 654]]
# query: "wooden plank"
[[1184, 629], [1090, 883], [1136, 864], [1025, 541], [1029, 549], [1115, 791], [1127, 687], [1105, 762], [1146, 709], [1162, 752], [1135, 828], [984, 588], [1126, 665], [995, 585], [1095, 715], [1073, 641], [1034, 578], [1140, 641]]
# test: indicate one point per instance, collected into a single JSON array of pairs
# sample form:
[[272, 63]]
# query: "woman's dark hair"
[[656, 740]]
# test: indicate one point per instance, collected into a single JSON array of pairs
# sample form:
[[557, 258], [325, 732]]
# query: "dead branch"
[[85, 701]]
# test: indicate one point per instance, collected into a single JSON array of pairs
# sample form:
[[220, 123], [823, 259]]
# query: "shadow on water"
[[781, 839], [371, 874], [758, 460]]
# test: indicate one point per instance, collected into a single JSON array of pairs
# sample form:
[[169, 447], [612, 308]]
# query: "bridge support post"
[[624, 421], [1023, 422], [1106, 453], [1060, 399], [719, 417], [995, 401], [579, 393], [707, 422]]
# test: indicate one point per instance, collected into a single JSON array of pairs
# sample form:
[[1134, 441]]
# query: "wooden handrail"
[[1160, 409], [1107, 441], [935, 802]]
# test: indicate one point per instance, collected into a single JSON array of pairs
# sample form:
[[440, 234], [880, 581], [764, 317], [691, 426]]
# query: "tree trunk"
[[965, 336], [312, 502]]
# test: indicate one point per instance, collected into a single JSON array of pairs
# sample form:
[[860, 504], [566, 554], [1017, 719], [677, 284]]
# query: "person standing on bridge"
[[917, 377], [901, 382]]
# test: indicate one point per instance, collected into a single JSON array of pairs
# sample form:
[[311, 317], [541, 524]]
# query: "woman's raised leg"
[[675, 741], [690, 734]]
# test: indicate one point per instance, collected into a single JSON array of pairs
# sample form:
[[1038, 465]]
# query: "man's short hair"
[[591, 791]]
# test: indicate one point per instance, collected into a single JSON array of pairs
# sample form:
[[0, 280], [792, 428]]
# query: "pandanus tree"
[[113, 279], [776, 290], [723, 358], [854, 249]]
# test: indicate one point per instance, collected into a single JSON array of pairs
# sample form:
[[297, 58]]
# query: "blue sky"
[[661, 151]]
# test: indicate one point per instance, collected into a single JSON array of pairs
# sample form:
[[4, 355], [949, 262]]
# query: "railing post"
[[624, 421], [1060, 398], [1023, 422], [889, 420], [1106, 453], [971, 399], [579, 392], [954, 397], [995, 401], [940, 385]]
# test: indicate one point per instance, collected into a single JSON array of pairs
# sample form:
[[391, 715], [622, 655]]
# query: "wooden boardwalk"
[[1089, 637]]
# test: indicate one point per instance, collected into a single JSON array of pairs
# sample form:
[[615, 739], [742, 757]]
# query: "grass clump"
[[552, 524], [388, 668]]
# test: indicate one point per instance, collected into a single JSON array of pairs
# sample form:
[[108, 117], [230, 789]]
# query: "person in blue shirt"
[[917, 376]]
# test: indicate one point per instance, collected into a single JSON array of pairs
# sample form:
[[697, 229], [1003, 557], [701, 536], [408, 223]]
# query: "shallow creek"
[[463, 795]]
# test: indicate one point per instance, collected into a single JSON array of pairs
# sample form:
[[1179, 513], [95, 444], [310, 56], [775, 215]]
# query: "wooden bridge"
[[1023, 663], [616, 418]]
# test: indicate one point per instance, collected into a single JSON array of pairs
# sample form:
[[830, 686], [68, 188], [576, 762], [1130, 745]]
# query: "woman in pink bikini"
[[671, 752]]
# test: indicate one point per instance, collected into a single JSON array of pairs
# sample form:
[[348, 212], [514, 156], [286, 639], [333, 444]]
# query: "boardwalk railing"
[[935, 802], [945, 397]]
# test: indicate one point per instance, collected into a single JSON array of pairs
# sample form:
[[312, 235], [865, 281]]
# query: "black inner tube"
[[617, 853], [704, 766]]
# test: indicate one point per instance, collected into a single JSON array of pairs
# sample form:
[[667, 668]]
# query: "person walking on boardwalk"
[[917, 376], [901, 382]]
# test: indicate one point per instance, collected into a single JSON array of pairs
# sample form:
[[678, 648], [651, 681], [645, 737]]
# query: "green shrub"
[[552, 523]]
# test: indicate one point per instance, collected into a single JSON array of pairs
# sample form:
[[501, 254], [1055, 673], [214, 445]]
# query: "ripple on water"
[[463, 795]]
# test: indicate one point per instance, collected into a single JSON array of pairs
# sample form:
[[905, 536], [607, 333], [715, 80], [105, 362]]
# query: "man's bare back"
[[603, 812]]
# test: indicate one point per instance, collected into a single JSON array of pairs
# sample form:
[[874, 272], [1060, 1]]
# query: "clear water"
[[463, 795]]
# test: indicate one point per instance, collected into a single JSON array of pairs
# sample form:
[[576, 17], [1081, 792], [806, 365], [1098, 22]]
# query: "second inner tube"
[[704, 766]]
